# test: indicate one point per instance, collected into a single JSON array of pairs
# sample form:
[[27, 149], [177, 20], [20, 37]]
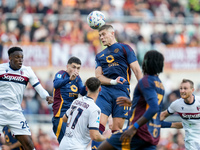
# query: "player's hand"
[[128, 134], [123, 101], [107, 133], [120, 80], [49, 99], [73, 76], [6, 147]]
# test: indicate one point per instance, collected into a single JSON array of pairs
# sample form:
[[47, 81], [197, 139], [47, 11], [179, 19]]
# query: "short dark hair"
[[187, 80], [74, 59], [153, 62], [106, 27], [93, 84], [13, 49]]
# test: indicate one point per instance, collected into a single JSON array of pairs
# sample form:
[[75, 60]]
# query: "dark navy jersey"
[[10, 139], [147, 102], [65, 91], [115, 61]]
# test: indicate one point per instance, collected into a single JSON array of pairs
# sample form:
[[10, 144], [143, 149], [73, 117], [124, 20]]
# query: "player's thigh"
[[104, 102], [18, 124], [120, 111], [105, 146], [25, 140]]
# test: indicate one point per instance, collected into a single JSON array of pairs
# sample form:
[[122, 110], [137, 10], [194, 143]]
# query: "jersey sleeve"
[[150, 96], [59, 80], [171, 108], [97, 61], [130, 54], [33, 80], [94, 120]]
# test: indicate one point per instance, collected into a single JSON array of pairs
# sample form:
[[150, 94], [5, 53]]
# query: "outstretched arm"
[[124, 101], [12, 146], [43, 93], [164, 115], [177, 125]]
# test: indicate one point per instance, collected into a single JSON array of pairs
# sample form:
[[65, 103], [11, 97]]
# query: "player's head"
[[107, 35], [153, 63], [93, 84], [186, 88], [16, 57], [73, 65]]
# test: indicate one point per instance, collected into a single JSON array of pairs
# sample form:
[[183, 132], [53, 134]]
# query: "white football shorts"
[[15, 121]]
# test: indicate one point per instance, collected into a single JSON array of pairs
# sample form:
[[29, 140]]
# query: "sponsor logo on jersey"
[[190, 115], [14, 78]]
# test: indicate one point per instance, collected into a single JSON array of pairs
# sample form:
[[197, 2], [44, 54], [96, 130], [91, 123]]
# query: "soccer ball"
[[96, 19]]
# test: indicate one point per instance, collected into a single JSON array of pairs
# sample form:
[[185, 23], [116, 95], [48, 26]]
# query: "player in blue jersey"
[[113, 69], [10, 142], [143, 131], [67, 86]]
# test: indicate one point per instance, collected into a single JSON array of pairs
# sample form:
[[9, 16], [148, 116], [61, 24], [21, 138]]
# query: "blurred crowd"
[[146, 24]]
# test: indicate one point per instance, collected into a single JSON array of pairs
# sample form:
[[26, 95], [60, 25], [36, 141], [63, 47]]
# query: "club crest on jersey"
[[182, 108], [6, 70], [116, 50], [198, 108], [21, 72], [59, 76]]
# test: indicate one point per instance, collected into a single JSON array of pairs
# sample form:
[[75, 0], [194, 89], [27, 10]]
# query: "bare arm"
[[136, 69], [12, 146], [177, 125], [97, 136], [104, 80], [65, 118], [164, 115], [99, 74]]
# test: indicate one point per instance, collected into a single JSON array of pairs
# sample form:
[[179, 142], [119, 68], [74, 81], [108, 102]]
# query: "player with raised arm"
[[143, 132], [188, 107], [13, 80], [83, 119], [113, 69], [67, 86]]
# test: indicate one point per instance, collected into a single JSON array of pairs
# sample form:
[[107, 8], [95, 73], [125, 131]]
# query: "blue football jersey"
[[115, 61], [148, 91]]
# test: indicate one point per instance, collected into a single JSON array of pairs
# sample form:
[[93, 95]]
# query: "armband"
[[136, 125], [113, 82]]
